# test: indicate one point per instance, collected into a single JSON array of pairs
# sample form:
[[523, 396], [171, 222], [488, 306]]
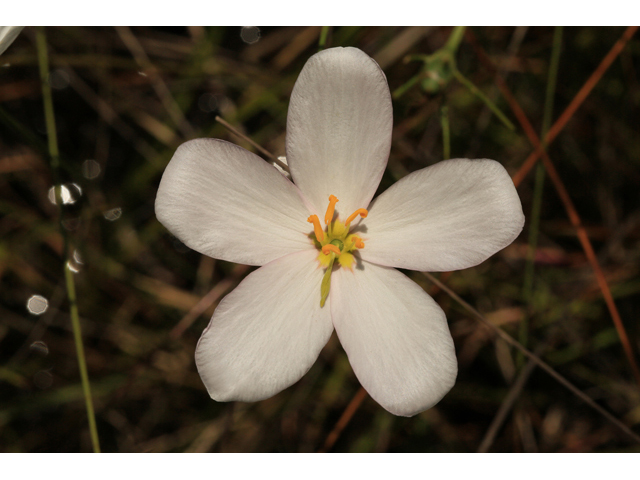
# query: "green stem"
[[398, 92], [476, 91], [324, 33], [534, 222], [446, 140], [43, 61], [457, 34]]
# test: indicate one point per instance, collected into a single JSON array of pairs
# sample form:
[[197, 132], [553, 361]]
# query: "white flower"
[[226, 202], [7, 36]]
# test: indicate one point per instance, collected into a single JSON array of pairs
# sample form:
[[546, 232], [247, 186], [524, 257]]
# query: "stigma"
[[336, 243]]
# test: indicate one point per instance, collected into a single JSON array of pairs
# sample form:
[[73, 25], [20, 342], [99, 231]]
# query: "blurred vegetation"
[[125, 99]]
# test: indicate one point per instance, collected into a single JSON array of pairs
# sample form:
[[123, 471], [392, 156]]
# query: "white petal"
[[452, 215], [396, 337], [7, 36], [267, 333], [339, 129], [228, 203]]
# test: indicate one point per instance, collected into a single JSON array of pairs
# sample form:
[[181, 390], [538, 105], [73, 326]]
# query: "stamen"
[[361, 211], [330, 248], [317, 229], [358, 242], [330, 209]]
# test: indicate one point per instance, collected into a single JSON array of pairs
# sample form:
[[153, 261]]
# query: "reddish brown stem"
[[344, 420]]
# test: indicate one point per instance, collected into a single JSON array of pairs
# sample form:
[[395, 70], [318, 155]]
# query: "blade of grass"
[[534, 219], [43, 62], [536, 359], [566, 199]]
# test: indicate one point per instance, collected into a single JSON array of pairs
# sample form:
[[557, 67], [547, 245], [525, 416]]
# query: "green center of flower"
[[335, 244]]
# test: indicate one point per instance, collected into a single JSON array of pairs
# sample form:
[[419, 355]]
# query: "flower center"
[[336, 243]]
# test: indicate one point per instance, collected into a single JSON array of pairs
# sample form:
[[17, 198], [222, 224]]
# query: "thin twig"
[[505, 407], [537, 360], [344, 420], [235, 131]]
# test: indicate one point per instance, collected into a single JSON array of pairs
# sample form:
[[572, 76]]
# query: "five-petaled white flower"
[[226, 202]]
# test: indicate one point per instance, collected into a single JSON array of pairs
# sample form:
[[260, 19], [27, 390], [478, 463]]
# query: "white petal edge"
[[449, 216], [223, 201], [339, 129], [267, 333], [7, 37], [396, 337]]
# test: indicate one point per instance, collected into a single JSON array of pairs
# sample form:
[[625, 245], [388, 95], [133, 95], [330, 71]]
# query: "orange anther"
[[361, 211], [330, 248], [317, 229], [358, 242], [330, 209]]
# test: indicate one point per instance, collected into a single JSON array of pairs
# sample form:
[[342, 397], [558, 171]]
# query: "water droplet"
[[78, 189], [208, 102], [40, 347], [71, 223], [250, 34], [37, 304], [72, 267], [59, 79], [77, 257], [90, 169], [70, 193], [113, 214], [64, 193], [43, 379]]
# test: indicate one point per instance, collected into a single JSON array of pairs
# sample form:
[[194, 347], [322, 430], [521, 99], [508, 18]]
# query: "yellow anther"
[[317, 229], [328, 248], [330, 209], [361, 211]]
